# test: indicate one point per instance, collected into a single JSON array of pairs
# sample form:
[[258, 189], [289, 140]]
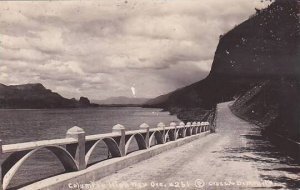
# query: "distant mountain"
[[121, 100], [36, 96], [266, 46]]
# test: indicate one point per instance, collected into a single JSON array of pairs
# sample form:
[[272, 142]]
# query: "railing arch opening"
[[134, 142], [99, 150], [167, 136], [156, 138], [16, 164], [170, 135], [181, 133], [152, 139]]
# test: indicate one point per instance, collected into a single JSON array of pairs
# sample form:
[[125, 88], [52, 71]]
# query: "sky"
[[108, 48]]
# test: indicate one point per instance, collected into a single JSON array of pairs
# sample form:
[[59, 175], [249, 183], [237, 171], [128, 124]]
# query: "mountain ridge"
[[36, 96]]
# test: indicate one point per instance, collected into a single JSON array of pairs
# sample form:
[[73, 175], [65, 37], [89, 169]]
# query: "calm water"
[[28, 125]]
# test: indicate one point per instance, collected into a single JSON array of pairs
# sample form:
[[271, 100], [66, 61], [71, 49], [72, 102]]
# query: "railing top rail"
[[169, 127], [36, 144], [156, 129], [135, 132], [101, 136]]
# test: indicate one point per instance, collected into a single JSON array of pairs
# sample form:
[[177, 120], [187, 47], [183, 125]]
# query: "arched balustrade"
[[74, 151]]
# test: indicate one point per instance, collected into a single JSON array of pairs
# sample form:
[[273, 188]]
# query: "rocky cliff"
[[266, 46]]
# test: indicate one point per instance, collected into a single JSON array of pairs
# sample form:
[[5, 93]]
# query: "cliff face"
[[36, 96], [271, 53], [264, 47]]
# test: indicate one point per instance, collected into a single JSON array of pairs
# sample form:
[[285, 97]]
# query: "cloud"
[[103, 48]]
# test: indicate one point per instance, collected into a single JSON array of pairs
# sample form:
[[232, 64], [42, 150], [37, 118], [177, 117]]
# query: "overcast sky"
[[101, 49]]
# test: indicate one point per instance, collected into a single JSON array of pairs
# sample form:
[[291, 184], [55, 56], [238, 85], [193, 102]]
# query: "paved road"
[[236, 157]]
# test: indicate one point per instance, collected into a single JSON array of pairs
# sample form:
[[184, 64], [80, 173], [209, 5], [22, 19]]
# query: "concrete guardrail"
[[75, 150]]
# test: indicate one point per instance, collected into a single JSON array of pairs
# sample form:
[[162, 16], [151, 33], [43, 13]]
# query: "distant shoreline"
[[120, 105], [75, 108]]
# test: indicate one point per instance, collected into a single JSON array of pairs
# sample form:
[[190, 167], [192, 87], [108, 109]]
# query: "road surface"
[[235, 157]]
